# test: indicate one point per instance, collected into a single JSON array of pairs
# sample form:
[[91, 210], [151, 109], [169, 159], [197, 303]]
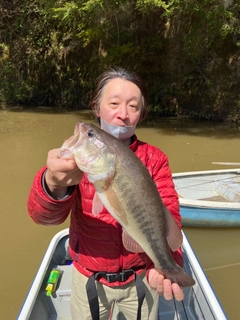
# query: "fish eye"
[[91, 133]]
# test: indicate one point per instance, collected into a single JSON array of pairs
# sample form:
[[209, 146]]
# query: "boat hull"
[[209, 198], [209, 217]]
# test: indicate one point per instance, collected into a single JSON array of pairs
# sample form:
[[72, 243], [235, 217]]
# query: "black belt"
[[113, 277], [118, 276]]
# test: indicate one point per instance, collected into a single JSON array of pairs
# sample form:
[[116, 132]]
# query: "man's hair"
[[121, 73]]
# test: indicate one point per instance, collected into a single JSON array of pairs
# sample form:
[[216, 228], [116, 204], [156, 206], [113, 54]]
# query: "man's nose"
[[123, 111]]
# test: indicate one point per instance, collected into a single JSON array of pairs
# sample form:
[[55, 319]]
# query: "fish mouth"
[[85, 147], [75, 140], [83, 131], [78, 127], [69, 145]]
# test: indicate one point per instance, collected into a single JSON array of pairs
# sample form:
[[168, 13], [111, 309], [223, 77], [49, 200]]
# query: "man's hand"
[[164, 286], [61, 174]]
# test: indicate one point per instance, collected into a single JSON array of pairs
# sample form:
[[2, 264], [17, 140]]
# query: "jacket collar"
[[133, 146]]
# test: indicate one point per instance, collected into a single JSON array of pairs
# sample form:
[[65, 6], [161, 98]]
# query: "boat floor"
[[215, 198]]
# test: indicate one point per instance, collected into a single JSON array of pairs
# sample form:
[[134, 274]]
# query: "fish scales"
[[143, 214], [139, 206], [128, 192]]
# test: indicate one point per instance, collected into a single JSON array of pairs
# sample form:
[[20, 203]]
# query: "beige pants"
[[123, 299]]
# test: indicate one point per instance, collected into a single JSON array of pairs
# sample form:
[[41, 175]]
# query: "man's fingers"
[[178, 292], [172, 290], [159, 284], [168, 294], [164, 286]]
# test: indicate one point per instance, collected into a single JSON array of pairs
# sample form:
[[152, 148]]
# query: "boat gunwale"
[[205, 172], [209, 204], [203, 281], [35, 287]]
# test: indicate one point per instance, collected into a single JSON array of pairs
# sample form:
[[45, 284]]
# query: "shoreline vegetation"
[[188, 52]]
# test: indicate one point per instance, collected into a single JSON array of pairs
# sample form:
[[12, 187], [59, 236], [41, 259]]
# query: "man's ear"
[[96, 111]]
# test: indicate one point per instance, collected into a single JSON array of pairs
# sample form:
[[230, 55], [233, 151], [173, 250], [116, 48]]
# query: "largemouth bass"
[[124, 186]]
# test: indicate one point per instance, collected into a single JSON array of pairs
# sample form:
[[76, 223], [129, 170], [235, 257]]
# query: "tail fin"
[[177, 275]]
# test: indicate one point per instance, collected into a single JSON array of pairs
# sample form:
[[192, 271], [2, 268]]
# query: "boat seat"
[[228, 190]]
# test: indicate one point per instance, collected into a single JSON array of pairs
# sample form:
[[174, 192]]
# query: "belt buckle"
[[123, 276], [112, 277]]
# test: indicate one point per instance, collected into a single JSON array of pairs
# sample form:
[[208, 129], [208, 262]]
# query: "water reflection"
[[183, 125]]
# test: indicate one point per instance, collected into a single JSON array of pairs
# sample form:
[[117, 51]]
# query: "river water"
[[27, 136]]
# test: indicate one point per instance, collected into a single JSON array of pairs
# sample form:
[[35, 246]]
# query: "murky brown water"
[[26, 138]]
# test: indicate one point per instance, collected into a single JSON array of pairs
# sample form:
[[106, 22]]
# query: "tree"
[[187, 51]]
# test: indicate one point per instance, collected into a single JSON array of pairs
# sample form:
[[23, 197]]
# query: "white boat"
[[209, 198], [200, 301]]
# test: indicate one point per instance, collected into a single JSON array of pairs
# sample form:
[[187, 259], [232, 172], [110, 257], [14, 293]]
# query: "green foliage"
[[147, 6], [51, 51]]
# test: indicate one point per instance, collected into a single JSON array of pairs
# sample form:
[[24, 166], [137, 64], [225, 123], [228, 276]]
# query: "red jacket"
[[96, 242]]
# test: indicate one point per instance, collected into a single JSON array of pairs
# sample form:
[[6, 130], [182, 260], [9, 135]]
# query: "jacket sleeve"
[[45, 210]]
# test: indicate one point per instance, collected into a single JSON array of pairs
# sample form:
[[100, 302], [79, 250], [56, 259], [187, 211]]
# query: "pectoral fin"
[[97, 205], [115, 206], [130, 244]]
